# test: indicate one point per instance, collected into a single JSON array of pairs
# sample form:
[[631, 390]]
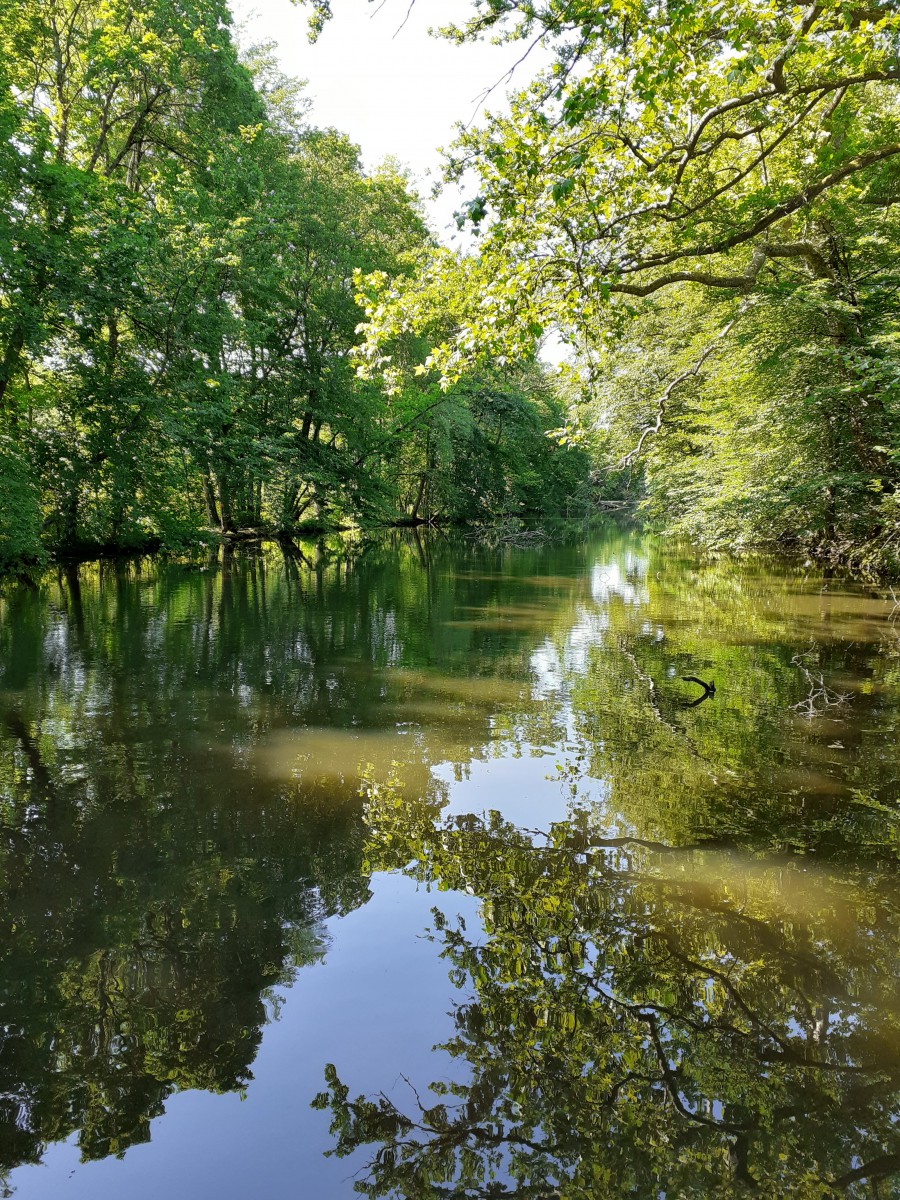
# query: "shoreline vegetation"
[[510, 531], [214, 321], [214, 549]]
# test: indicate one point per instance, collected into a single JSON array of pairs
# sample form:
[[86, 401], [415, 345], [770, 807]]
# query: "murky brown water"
[[439, 838]]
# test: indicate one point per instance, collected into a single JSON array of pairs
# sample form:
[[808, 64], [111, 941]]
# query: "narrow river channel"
[[418, 869]]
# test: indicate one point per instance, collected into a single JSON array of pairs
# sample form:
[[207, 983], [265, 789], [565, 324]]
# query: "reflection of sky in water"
[[608, 579], [459, 691], [517, 786], [376, 1005]]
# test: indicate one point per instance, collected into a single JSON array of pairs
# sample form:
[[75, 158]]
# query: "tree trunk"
[[209, 497], [414, 515], [226, 523], [10, 361], [70, 520]]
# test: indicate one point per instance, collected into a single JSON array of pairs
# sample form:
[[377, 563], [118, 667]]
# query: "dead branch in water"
[[821, 697]]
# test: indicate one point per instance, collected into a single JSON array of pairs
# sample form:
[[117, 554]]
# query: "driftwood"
[[658, 715], [508, 533], [709, 690]]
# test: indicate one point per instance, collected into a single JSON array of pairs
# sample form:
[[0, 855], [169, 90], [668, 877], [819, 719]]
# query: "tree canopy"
[[177, 309], [707, 189]]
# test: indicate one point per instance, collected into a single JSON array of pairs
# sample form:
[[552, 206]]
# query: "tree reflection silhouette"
[[642, 1021], [179, 807], [179, 815]]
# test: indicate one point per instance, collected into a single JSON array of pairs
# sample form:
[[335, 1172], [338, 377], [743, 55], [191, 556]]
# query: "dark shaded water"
[[426, 855]]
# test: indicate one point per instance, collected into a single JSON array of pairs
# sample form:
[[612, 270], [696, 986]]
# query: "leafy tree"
[[732, 168], [177, 307]]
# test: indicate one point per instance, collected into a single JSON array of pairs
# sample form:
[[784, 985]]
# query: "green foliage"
[[481, 449], [707, 192], [180, 755], [20, 521], [177, 250], [635, 1019], [773, 418]]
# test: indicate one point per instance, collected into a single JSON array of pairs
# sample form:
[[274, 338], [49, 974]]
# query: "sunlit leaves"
[[660, 145]]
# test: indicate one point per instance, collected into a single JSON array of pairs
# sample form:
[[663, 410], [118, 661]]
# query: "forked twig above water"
[[691, 373]]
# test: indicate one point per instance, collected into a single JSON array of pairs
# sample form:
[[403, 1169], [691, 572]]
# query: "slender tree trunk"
[[225, 506], [414, 515], [209, 497], [292, 503], [70, 519], [11, 356]]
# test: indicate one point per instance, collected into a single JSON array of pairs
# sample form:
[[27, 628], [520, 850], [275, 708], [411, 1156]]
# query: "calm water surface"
[[417, 869]]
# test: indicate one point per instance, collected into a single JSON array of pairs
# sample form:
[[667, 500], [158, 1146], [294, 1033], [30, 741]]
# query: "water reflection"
[[146, 916], [684, 986], [180, 759], [642, 1020]]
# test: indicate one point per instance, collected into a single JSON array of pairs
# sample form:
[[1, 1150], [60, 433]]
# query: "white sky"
[[394, 91]]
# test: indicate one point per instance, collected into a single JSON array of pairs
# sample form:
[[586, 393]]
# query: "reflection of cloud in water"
[[607, 580], [547, 670], [586, 632], [550, 668]]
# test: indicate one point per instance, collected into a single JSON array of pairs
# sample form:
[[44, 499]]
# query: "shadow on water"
[[683, 984]]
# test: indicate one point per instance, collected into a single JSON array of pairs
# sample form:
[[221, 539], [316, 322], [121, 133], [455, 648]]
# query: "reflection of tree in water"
[[142, 932], [163, 866], [159, 876], [640, 1021], [674, 769], [155, 886]]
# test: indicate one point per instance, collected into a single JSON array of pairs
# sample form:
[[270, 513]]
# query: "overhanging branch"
[[785, 209], [691, 373]]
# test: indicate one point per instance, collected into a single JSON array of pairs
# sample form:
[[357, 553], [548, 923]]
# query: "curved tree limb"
[[691, 373], [785, 209]]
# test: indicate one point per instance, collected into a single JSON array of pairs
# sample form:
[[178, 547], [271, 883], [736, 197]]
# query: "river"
[[417, 868]]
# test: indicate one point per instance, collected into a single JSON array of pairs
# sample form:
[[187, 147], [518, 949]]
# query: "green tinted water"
[[426, 854]]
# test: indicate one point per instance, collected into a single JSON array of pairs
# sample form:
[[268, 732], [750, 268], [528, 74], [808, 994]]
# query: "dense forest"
[[177, 252], [212, 318]]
